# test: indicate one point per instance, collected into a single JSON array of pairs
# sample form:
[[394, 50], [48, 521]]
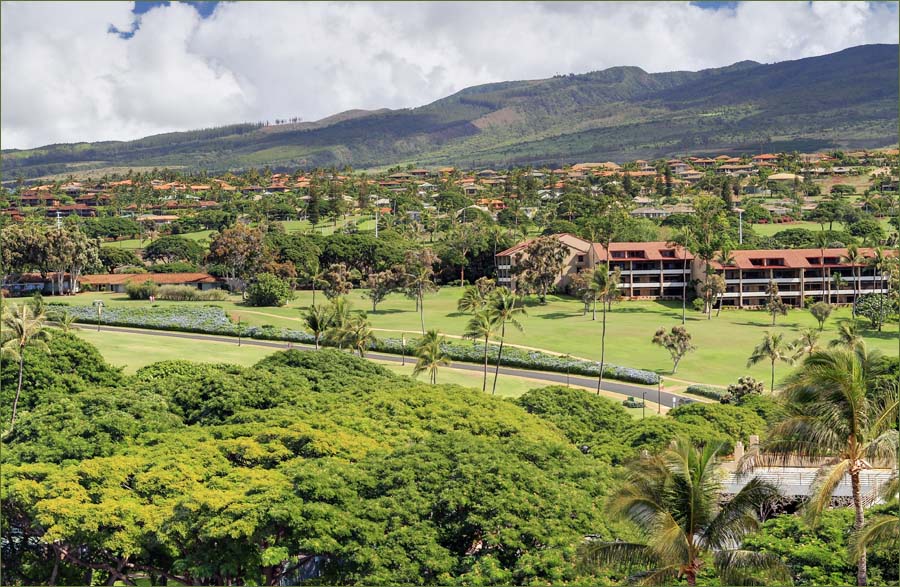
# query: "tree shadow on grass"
[[387, 311], [557, 315]]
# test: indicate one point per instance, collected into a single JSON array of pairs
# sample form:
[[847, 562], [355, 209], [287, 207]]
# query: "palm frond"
[[826, 481], [746, 567], [739, 516], [881, 529]]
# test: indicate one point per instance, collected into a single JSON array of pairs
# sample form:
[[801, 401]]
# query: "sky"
[[88, 71]]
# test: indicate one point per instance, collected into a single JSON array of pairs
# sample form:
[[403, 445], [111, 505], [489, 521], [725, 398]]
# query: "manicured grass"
[[133, 351], [325, 227], [770, 229], [201, 237], [723, 343]]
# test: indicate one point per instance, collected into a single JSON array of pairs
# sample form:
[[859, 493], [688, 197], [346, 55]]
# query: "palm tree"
[[839, 282], [318, 319], [471, 301], [833, 413], [880, 263], [22, 329], [880, 529], [823, 241], [806, 344], [66, 322], [685, 239], [502, 307], [849, 335], [357, 334], [856, 260], [605, 286], [773, 348], [340, 316], [431, 355], [482, 325], [673, 500], [725, 259]]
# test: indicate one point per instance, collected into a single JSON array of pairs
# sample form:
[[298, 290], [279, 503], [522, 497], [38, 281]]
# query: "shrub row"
[[709, 391], [186, 293], [213, 320]]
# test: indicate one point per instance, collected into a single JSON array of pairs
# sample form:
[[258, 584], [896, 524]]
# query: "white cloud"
[[67, 78]]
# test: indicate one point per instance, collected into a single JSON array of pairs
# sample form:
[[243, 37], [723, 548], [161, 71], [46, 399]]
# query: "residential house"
[[117, 282]]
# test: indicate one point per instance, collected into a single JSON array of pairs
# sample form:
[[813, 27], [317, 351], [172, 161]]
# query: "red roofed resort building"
[[660, 270]]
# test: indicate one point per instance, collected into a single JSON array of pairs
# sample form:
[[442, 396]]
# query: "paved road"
[[623, 389]]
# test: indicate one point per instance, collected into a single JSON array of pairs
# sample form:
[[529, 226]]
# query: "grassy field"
[[723, 343], [133, 351], [770, 229], [202, 236]]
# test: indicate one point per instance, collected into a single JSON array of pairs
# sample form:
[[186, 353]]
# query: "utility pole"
[[376, 221], [659, 396]]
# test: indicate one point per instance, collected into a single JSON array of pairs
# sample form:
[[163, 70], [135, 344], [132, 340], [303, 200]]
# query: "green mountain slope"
[[847, 99]]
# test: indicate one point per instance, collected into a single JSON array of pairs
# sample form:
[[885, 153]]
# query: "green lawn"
[[770, 229], [133, 351], [202, 236], [723, 343]]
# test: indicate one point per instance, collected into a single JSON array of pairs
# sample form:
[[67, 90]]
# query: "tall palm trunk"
[[484, 380], [772, 388], [594, 309], [861, 565], [602, 351], [499, 357], [683, 291], [422, 315], [12, 422]]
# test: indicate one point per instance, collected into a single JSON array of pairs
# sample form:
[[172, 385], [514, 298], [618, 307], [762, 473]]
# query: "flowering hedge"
[[212, 319], [716, 393]]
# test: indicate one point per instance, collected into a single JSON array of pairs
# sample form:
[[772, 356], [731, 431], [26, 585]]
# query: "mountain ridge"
[[846, 99]]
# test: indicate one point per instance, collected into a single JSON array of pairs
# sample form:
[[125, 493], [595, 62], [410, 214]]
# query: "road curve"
[[623, 389]]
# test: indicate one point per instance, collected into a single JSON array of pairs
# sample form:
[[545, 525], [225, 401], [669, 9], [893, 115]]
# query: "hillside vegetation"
[[843, 100]]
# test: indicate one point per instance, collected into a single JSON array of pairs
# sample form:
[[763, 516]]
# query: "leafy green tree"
[[241, 249], [22, 329], [337, 281], [833, 413], [774, 304], [173, 248], [848, 335], [673, 501], [268, 290], [677, 341], [821, 311], [774, 348], [379, 286], [431, 355], [504, 308], [541, 263], [875, 308], [482, 325]]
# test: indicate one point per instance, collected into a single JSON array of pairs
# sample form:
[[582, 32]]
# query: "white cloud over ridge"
[[67, 78]]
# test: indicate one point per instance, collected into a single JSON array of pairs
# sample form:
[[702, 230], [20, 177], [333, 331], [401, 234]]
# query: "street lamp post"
[[403, 348], [239, 329], [643, 405], [568, 362], [99, 305], [659, 396], [740, 212]]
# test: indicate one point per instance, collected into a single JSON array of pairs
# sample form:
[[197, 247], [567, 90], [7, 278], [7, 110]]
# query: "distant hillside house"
[[118, 281]]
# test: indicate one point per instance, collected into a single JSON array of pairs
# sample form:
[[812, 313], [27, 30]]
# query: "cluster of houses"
[[660, 270]]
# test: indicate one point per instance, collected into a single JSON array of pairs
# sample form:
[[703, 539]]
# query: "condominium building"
[[659, 270], [800, 274], [649, 270]]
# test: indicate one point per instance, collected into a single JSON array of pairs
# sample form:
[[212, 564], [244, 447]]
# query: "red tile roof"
[[646, 251], [157, 278]]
